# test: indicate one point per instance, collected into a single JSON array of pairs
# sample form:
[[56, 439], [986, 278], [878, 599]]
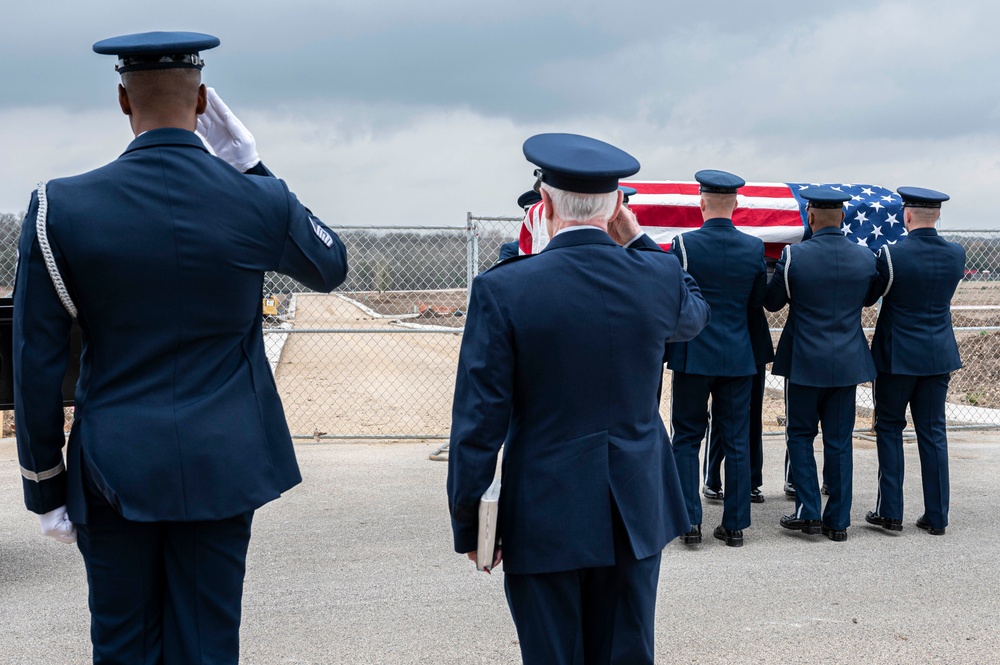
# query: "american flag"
[[773, 212]]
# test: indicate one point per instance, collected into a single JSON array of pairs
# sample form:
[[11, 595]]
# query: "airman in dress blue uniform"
[[763, 354], [915, 352], [179, 433], [823, 355], [524, 201], [728, 266], [562, 357]]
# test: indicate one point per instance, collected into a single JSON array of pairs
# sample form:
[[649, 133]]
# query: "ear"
[[548, 207], [618, 206], [841, 215], [811, 219], [703, 204], [123, 100], [202, 100]]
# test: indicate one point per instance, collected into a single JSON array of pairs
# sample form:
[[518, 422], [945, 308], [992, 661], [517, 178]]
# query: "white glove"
[[228, 137], [55, 524]]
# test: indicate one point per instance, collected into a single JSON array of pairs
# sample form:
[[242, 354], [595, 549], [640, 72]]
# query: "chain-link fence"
[[377, 358]]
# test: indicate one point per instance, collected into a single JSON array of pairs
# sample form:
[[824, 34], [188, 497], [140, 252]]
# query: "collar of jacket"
[[593, 236], [718, 222], [925, 232], [165, 136], [829, 231]]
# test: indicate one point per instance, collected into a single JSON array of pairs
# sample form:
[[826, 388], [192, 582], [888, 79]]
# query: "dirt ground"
[[375, 383], [402, 383]]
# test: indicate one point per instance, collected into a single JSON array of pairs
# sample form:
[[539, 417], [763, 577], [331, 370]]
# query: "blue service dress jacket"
[[760, 336], [914, 335], [826, 282], [729, 268], [163, 252], [562, 357], [508, 250]]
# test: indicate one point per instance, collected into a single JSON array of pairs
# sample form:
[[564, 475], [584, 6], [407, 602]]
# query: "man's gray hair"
[[581, 208]]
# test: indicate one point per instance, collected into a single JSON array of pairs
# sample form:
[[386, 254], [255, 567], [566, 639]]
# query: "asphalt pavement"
[[356, 566]]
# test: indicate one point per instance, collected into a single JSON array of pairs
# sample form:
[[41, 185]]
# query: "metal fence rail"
[[377, 358]]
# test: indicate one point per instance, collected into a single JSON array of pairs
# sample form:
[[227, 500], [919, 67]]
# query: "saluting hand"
[[228, 137], [624, 226]]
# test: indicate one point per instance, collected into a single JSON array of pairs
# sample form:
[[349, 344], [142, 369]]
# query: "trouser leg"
[[757, 426], [619, 607], [802, 425], [731, 408], [714, 453], [205, 565], [548, 614], [837, 412], [125, 578], [928, 408], [891, 395], [789, 475], [689, 419]]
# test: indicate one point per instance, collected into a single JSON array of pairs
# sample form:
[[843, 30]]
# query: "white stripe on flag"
[[783, 234]]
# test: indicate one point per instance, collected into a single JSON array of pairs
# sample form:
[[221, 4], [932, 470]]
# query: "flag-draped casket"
[[773, 212]]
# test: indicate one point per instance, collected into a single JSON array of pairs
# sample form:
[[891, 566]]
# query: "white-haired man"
[[562, 359]]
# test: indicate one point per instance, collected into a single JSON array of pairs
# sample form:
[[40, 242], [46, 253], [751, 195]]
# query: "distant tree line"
[[414, 260]]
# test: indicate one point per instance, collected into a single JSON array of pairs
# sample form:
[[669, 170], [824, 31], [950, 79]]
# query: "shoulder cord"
[[788, 265], [41, 230], [684, 254], [888, 259]]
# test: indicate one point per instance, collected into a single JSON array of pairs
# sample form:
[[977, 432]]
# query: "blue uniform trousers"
[[926, 397], [163, 593], [731, 418], [805, 408], [712, 466], [590, 616]]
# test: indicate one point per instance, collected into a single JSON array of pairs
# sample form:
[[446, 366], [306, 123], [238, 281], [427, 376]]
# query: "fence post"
[[471, 255]]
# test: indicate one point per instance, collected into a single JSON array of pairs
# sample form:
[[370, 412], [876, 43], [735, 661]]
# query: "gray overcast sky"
[[413, 113]]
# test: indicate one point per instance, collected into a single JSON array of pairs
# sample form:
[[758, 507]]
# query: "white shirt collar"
[[578, 227]]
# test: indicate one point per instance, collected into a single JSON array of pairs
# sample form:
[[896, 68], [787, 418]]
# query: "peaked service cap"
[[575, 163], [157, 50], [920, 197], [718, 182], [529, 198], [825, 197]]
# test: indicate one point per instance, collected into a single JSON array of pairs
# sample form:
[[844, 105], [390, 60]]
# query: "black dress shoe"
[[714, 494], [811, 527], [693, 537], [790, 490], [733, 538], [836, 535], [885, 522], [824, 490], [925, 525], [756, 496]]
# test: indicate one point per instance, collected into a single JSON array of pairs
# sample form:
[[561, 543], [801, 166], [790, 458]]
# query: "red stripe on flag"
[[771, 249], [766, 217], [691, 188], [690, 217]]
